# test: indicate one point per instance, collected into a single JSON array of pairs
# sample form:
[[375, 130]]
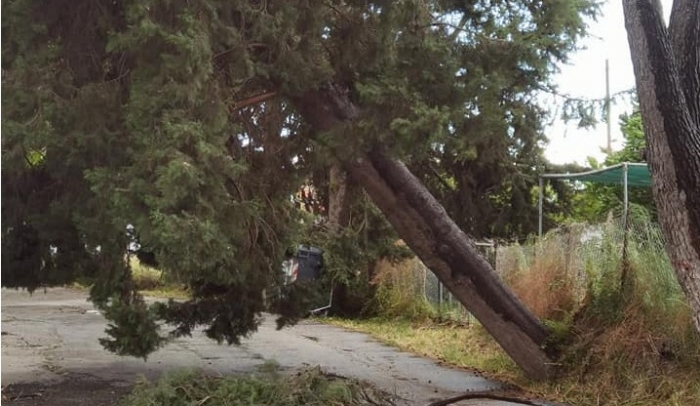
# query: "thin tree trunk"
[[667, 72], [338, 197], [341, 192], [427, 229]]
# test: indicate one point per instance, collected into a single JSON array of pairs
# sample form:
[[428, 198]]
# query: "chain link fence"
[[569, 253], [413, 281], [437, 295]]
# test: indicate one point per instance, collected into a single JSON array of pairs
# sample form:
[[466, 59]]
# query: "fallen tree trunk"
[[426, 228]]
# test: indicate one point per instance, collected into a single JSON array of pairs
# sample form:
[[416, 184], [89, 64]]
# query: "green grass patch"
[[268, 387]]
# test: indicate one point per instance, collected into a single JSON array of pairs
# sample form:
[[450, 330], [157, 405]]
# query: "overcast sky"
[[584, 76]]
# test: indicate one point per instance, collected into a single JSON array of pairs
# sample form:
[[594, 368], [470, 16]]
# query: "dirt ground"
[[51, 356], [74, 389]]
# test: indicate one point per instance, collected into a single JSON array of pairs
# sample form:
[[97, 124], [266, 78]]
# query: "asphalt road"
[[51, 356]]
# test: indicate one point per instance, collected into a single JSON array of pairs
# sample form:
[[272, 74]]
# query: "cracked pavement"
[[51, 356]]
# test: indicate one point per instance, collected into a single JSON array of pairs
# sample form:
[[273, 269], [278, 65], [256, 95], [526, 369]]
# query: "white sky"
[[584, 76]]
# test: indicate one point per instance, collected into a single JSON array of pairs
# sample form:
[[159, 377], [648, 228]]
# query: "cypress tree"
[[188, 122]]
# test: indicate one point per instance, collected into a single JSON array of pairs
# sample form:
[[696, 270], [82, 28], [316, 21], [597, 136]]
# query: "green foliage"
[[645, 280], [310, 387], [133, 327], [559, 333], [142, 116], [602, 265], [351, 253], [634, 149], [595, 201]]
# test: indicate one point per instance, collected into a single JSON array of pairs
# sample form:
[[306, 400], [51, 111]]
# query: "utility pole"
[[608, 149]]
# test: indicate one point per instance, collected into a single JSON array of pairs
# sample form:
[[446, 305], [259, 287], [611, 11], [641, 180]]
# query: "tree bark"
[[667, 71], [338, 197], [341, 194], [427, 229]]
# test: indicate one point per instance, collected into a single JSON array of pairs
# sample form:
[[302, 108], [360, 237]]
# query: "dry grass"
[[168, 292], [546, 286], [461, 346], [151, 282], [401, 290], [144, 276], [624, 340], [630, 363], [612, 372], [269, 387], [627, 332]]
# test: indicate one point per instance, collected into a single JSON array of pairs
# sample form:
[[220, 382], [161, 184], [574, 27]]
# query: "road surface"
[[51, 356]]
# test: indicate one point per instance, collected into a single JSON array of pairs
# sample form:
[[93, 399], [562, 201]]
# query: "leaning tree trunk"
[[667, 70], [427, 229]]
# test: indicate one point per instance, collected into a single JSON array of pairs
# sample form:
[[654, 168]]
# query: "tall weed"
[[611, 297], [401, 290]]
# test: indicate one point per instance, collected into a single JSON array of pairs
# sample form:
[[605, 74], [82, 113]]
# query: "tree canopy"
[[596, 201], [179, 125]]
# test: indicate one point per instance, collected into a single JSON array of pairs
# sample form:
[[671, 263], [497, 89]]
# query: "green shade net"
[[637, 175]]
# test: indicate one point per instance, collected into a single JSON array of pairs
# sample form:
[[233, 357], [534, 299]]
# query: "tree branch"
[[241, 104], [486, 395], [439, 177]]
